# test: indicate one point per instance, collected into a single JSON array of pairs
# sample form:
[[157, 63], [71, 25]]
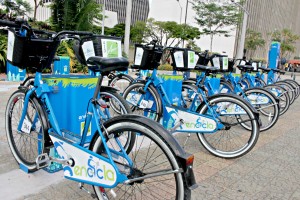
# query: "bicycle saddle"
[[245, 67], [104, 65], [207, 68], [264, 69]]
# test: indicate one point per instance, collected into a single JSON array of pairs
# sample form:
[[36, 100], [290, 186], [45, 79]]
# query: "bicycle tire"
[[295, 85], [155, 111], [221, 143], [190, 96], [225, 87], [155, 153], [289, 88], [34, 141], [114, 100], [120, 82], [282, 95], [269, 112], [245, 84], [259, 82]]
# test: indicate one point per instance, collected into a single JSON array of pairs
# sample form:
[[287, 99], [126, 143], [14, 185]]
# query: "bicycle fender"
[[181, 155]]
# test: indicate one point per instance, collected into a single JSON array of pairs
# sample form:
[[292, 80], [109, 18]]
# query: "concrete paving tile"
[[239, 169], [220, 180], [206, 169], [230, 175], [235, 194], [261, 170], [246, 186], [296, 195], [208, 189]]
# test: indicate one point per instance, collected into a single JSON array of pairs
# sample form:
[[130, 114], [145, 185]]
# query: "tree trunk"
[[211, 41], [36, 5]]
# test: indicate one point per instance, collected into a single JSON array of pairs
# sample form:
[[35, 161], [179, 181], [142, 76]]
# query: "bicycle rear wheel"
[[233, 140], [26, 145], [150, 154]]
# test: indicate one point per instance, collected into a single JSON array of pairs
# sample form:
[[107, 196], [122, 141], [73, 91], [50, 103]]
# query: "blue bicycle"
[[153, 165], [218, 121]]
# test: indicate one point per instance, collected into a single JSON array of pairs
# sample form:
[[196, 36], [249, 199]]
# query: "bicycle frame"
[[108, 174], [195, 122]]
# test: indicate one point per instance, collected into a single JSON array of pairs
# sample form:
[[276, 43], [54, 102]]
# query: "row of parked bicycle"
[[236, 107], [131, 156]]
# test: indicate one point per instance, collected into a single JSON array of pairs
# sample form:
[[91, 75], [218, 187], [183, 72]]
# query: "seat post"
[[98, 86]]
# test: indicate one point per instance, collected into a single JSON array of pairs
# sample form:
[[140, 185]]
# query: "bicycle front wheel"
[[26, 145], [266, 104], [150, 154], [233, 140], [282, 95], [115, 105], [120, 82], [146, 103]]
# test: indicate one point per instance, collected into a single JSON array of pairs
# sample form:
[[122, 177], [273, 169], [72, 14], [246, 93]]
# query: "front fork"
[[25, 107]]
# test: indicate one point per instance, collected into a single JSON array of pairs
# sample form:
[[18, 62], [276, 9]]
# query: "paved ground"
[[270, 171]]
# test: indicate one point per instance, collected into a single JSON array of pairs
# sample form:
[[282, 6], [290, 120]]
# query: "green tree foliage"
[[287, 41], [75, 14], [3, 47], [253, 40], [137, 32], [118, 30], [170, 33], [215, 18], [17, 8]]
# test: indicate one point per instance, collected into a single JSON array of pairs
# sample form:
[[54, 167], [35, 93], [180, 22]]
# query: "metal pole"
[[186, 8], [103, 16], [180, 11], [127, 26], [241, 43]]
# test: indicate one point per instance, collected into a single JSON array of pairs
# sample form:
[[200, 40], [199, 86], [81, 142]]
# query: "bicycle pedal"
[[42, 161]]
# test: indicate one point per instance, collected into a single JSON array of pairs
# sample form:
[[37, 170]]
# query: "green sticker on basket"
[[191, 59], [111, 48], [225, 63]]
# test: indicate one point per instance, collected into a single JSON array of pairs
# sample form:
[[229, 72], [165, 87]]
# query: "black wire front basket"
[[221, 62], [147, 57], [35, 52], [183, 59], [98, 45]]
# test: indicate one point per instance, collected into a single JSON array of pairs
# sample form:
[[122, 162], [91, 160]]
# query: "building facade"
[[267, 16], [140, 9]]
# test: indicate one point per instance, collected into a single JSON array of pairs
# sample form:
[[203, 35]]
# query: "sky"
[[169, 10]]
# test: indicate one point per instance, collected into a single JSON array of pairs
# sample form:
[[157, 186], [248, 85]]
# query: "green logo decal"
[[112, 49], [192, 57]]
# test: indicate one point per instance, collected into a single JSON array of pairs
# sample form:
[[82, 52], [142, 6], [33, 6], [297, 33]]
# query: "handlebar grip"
[[8, 23]]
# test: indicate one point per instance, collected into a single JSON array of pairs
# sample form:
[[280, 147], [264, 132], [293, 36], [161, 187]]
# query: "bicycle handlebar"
[[26, 26], [9, 23]]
